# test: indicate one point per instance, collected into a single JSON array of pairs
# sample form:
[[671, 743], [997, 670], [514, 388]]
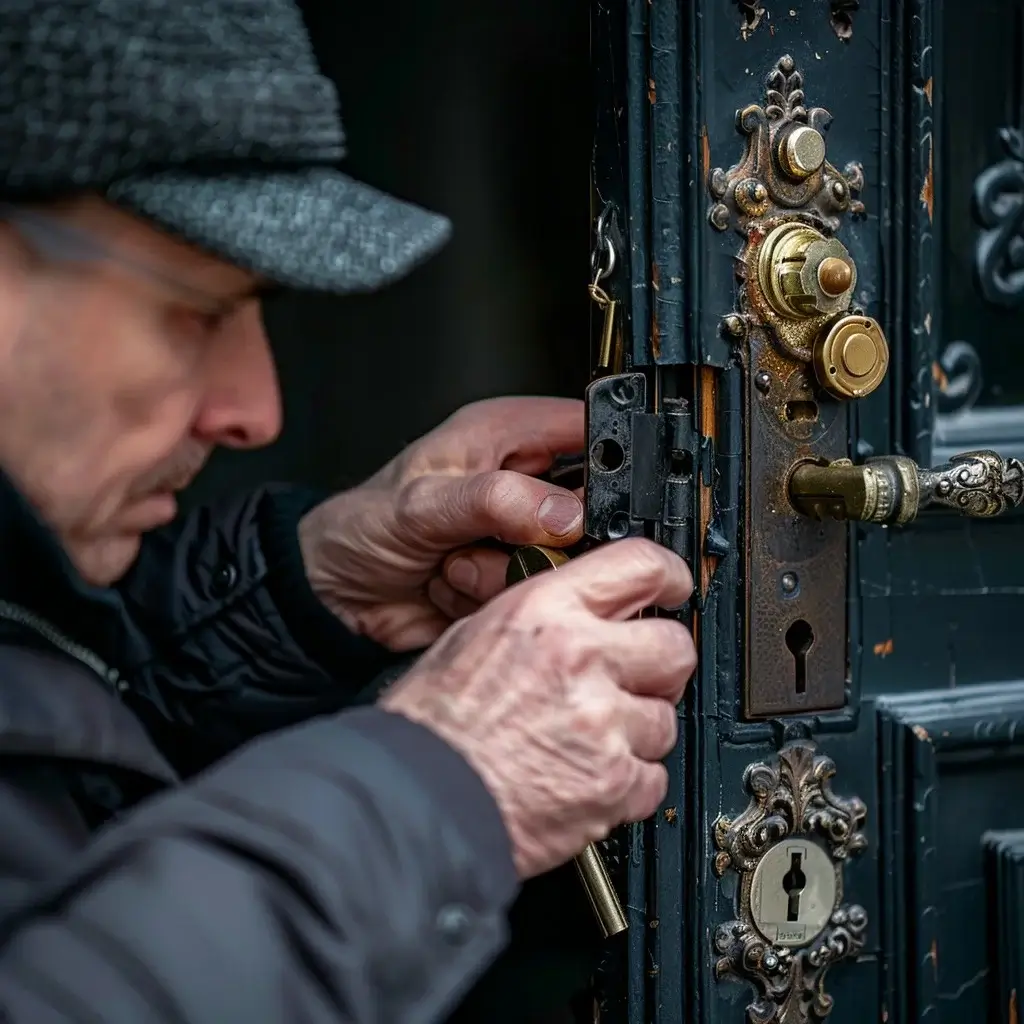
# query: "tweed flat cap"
[[211, 119]]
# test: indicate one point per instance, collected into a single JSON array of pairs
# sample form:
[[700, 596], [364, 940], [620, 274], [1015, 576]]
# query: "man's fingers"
[[651, 726], [449, 512], [478, 573], [449, 600], [524, 434], [651, 657], [617, 580], [647, 792]]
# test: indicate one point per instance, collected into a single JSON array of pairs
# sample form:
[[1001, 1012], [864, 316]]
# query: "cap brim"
[[315, 229]]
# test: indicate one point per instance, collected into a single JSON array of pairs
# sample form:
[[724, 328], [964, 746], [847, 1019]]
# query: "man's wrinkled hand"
[[398, 558]]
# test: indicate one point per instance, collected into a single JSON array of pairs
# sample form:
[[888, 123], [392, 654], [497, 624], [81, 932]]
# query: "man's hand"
[[563, 706], [394, 558]]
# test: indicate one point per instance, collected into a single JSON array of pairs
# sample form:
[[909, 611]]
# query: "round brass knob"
[[803, 274], [852, 357], [802, 152], [834, 276]]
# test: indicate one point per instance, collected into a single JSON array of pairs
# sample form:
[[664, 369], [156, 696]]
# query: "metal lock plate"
[[793, 892]]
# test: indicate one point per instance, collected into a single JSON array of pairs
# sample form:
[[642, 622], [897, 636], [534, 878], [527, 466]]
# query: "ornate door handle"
[[892, 489]]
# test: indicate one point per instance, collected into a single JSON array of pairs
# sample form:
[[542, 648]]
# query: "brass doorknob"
[[892, 489]]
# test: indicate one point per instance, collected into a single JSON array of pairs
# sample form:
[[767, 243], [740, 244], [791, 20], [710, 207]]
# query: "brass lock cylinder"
[[805, 275]]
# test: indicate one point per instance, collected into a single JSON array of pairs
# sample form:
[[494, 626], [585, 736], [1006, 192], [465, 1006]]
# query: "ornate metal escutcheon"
[[808, 351], [789, 847]]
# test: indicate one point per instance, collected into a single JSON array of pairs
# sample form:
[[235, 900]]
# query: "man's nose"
[[242, 405]]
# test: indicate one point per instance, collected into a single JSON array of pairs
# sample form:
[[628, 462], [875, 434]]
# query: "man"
[[192, 828]]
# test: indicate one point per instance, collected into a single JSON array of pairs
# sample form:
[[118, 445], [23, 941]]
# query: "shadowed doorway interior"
[[481, 112]]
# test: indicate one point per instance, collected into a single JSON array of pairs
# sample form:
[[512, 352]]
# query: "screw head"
[[763, 381], [790, 581]]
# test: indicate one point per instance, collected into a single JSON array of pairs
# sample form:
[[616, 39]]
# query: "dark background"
[[481, 112]]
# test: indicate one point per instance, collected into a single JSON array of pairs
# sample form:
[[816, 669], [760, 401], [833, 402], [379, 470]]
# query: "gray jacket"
[[192, 829]]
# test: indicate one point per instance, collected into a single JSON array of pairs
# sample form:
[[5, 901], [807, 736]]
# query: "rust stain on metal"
[[921, 733], [940, 378], [707, 383], [928, 188], [1011, 1010], [652, 92], [671, 815], [928, 91], [705, 153], [933, 955], [884, 648], [655, 329]]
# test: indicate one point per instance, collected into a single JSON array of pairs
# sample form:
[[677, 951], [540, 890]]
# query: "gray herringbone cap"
[[209, 118]]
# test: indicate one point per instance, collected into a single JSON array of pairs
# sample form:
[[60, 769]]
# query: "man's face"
[[118, 376]]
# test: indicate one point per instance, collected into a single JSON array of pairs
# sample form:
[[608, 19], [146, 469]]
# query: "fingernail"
[[559, 513], [463, 575]]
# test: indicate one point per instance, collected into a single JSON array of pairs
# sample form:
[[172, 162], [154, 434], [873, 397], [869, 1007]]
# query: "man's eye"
[[199, 321]]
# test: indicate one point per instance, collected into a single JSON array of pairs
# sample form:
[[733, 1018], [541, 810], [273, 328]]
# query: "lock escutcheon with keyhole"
[[793, 892]]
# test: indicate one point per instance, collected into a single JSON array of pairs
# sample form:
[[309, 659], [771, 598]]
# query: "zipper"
[[39, 626]]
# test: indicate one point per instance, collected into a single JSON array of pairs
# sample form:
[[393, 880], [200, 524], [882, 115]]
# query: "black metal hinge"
[[640, 464]]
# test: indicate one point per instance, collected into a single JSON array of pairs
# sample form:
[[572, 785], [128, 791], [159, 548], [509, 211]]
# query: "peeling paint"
[[884, 648], [928, 188], [1011, 1010], [940, 378], [928, 91], [705, 153], [671, 815], [652, 92], [921, 733]]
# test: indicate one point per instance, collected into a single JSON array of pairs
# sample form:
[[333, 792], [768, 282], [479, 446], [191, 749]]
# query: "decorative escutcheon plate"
[[789, 847]]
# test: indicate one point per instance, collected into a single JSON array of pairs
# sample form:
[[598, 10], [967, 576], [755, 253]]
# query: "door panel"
[[1004, 878], [952, 767], [866, 763]]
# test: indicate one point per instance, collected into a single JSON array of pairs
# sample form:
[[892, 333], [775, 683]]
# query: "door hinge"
[[640, 465]]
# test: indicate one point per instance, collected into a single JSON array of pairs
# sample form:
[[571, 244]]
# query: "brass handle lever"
[[892, 489]]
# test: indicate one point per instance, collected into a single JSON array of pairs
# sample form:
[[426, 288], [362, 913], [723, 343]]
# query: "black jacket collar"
[[37, 575]]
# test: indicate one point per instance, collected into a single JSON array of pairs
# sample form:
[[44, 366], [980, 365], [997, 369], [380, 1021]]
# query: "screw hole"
[[618, 526], [607, 455]]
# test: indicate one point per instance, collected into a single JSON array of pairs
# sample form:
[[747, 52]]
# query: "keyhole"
[[799, 640], [793, 883]]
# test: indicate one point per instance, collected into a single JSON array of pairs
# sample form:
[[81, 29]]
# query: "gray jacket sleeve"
[[349, 869]]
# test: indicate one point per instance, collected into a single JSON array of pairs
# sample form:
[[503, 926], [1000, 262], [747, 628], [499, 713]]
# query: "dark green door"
[[816, 213]]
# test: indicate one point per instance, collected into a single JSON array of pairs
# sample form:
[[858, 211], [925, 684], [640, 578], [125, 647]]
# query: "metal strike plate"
[[796, 282], [789, 848]]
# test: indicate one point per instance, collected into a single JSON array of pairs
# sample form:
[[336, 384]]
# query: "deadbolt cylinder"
[[803, 274], [851, 357]]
